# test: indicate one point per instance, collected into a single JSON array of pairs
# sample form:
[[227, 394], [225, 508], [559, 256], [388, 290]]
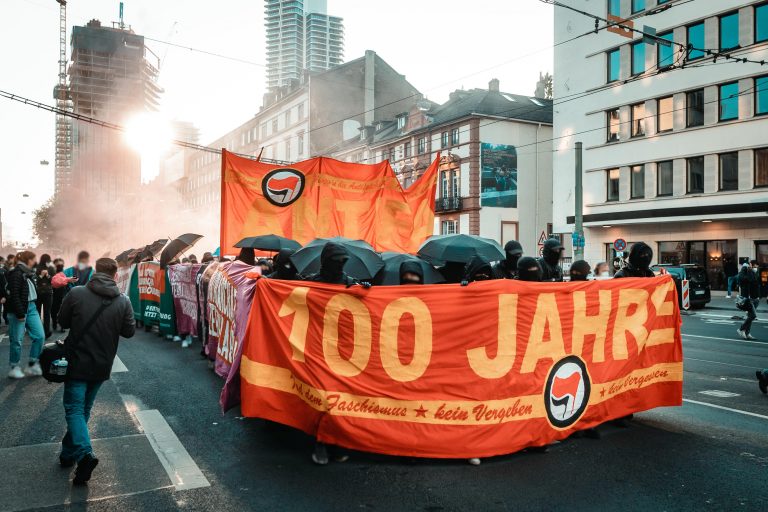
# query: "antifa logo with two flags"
[[282, 187]]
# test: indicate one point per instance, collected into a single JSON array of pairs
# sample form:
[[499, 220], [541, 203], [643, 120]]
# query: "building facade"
[[675, 152], [495, 174], [300, 36]]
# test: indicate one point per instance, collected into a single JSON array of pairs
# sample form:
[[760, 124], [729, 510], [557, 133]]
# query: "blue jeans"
[[79, 396], [732, 283], [16, 328]]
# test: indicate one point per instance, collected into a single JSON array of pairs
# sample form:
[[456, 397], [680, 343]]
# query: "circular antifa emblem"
[[282, 187], [566, 394]]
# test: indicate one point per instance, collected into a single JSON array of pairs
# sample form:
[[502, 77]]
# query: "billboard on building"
[[498, 176]]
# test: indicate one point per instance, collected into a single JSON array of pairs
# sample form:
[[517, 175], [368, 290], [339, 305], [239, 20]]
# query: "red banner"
[[451, 371], [323, 197]]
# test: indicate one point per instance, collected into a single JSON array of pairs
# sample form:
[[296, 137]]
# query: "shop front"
[[710, 254]]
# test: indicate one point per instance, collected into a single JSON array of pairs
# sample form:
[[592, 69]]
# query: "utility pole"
[[579, 207]]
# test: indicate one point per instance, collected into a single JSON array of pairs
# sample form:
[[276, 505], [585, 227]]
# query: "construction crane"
[[64, 104]]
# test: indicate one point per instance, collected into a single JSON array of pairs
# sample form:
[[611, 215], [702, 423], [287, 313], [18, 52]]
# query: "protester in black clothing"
[[207, 257], [332, 260], [57, 297], [529, 269], [749, 289], [638, 262], [193, 259], [452, 271], [411, 273], [44, 302], [284, 268], [550, 260], [579, 270], [266, 266], [247, 255], [3, 296], [477, 269], [731, 271], [507, 268]]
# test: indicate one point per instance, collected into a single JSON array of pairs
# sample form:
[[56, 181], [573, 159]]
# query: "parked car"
[[699, 290]]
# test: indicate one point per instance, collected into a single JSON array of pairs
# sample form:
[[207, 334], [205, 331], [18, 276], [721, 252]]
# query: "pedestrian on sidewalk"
[[748, 298], [44, 271], [731, 270], [22, 315], [97, 314]]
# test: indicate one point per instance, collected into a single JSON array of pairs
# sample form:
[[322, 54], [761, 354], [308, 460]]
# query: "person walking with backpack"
[[44, 272], [97, 315], [748, 297], [22, 315]]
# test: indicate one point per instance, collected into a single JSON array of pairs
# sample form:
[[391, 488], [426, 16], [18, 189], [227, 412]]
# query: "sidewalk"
[[719, 302]]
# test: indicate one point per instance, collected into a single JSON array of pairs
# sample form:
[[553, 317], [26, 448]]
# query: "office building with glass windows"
[[675, 147]]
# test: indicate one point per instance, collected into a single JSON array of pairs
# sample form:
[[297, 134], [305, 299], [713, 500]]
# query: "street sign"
[[577, 239], [621, 26], [619, 244], [542, 238]]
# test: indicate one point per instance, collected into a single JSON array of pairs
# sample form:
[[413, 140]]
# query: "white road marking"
[[118, 366], [181, 468], [719, 393], [724, 339], [731, 317], [718, 362], [4, 337], [705, 404], [721, 322]]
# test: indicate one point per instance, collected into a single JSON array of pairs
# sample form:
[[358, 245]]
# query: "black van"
[[699, 289]]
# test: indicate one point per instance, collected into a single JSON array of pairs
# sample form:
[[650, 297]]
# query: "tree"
[[549, 91], [42, 226]]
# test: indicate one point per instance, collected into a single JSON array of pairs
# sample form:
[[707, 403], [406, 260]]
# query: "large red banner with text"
[[323, 197], [452, 371]]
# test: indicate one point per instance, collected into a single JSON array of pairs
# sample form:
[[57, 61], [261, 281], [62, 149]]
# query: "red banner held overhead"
[[323, 197]]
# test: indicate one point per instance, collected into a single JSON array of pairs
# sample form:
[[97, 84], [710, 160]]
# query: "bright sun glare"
[[150, 135]]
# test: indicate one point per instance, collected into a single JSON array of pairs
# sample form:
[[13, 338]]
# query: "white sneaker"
[[16, 373], [34, 370], [728, 297], [741, 333], [177, 339], [186, 342], [750, 337], [474, 461]]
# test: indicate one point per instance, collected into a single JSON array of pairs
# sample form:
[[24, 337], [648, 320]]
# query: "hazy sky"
[[439, 45]]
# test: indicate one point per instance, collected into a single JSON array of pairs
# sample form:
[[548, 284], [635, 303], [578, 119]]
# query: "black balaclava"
[[332, 261], [247, 255], [514, 251], [452, 271], [579, 270], [552, 251], [414, 268], [284, 268], [477, 266], [524, 272], [640, 255]]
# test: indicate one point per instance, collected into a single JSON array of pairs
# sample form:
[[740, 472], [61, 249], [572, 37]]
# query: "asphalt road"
[[710, 454]]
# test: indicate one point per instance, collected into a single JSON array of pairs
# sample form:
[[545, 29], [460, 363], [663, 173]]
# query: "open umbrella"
[[156, 247], [177, 246], [124, 256], [272, 243], [390, 274], [459, 248], [364, 262]]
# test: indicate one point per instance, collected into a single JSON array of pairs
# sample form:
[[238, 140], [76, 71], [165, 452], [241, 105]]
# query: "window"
[[665, 114], [664, 178], [638, 5], [455, 136], [274, 125], [695, 181], [666, 54], [638, 120], [613, 125], [613, 184], [761, 95], [391, 154], [761, 167], [444, 140], [729, 171], [288, 149], [761, 23], [638, 58], [401, 121], [422, 145], [300, 143], [300, 110], [637, 188], [694, 108], [614, 65], [448, 227], [729, 31], [407, 150], [614, 7], [287, 118], [696, 40], [729, 101]]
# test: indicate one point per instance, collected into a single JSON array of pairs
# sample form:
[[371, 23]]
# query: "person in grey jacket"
[[90, 355]]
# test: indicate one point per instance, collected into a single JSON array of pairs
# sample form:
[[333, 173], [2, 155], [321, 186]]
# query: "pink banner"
[[182, 279]]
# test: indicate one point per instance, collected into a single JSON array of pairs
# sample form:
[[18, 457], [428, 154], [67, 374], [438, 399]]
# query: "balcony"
[[448, 204]]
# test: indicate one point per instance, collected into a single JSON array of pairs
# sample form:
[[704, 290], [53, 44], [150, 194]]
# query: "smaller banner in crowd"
[[459, 372], [152, 298], [183, 286], [124, 276]]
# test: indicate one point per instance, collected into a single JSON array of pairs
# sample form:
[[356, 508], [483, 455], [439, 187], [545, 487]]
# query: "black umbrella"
[[156, 247], [364, 262], [124, 256], [272, 243], [177, 246], [459, 248], [390, 274]]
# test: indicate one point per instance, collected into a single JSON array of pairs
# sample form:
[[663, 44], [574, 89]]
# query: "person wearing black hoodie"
[[579, 270], [284, 267], [247, 255], [749, 293], [22, 315], [551, 254], [332, 260], [97, 315], [411, 273], [507, 268], [44, 272], [638, 262], [477, 269], [529, 269], [58, 296]]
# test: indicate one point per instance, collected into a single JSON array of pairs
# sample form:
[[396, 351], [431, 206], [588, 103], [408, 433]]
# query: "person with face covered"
[[529, 269], [507, 268], [247, 255], [332, 260], [411, 273], [550, 260], [284, 268], [580, 270], [638, 262], [477, 269]]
